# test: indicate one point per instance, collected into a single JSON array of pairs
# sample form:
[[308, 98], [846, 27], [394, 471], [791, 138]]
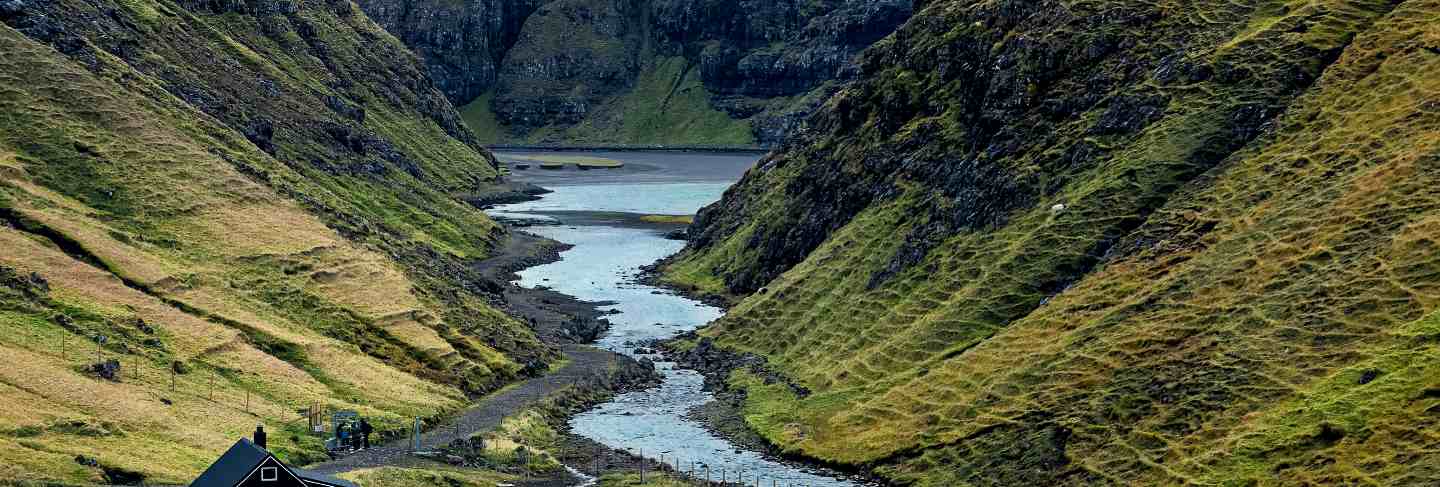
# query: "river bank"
[[595, 211], [717, 149], [571, 267]]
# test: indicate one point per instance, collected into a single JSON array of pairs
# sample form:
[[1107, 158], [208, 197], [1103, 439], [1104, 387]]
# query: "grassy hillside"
[[666, 106], [265, 202], [1191, 245]]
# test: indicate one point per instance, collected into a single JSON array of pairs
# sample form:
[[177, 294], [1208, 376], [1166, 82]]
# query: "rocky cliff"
[[462, 43], [575, 69], [1066, 243], [236, 210]]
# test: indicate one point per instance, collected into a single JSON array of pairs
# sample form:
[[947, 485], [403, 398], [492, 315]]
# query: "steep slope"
[[222, 214], [1102, 242], [462, 43], [575, 71]]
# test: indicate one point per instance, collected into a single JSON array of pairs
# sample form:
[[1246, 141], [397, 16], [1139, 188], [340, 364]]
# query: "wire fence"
[[171, 380]]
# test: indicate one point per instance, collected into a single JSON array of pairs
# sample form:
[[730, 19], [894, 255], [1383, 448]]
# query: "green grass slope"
[[266, 202], [667, 105], [1194, 244]]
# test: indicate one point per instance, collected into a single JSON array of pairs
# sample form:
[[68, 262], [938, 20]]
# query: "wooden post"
[[642, 466], [172, 377], [63, 339]]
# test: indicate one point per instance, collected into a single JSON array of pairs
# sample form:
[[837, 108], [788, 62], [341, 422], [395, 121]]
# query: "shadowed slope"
[[1117, 261]]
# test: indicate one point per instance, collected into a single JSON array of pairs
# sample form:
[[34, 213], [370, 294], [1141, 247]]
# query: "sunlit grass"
[[669, 219], [1242, 334]]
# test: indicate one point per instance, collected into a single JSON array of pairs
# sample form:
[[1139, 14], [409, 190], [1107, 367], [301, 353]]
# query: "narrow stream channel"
[[607, 255]]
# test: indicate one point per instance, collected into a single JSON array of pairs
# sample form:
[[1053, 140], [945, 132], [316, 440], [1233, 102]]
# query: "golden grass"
[[427, 476], [129, 262], [226, 267], [241, 229], [1224, 342], [527, 429], [669, 219], [651, 480]]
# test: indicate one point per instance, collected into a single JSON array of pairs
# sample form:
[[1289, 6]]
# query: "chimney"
[[260, 436]]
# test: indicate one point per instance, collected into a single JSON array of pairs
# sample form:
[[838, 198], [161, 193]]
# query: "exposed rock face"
[[571, 55], [553, 62], [1094, 243], [983, 100], [752, 52], [462, 43], [772, 48]]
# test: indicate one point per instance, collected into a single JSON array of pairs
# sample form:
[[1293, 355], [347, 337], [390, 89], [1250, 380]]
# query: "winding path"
[[484, 415]]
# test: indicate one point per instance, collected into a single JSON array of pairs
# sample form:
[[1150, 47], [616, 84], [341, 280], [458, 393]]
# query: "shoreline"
[[629, 148], [722, 416]]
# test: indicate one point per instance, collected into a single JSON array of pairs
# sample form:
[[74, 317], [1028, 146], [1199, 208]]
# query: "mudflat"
[[638, 167]]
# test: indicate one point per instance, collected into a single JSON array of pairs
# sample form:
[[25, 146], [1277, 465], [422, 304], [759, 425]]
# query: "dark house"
[[248, 464]]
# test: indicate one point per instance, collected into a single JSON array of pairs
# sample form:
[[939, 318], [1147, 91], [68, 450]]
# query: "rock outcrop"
[[1096, 243], [553, 65], [462, 43]]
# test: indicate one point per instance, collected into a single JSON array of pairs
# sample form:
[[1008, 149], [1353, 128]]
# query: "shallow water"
[[601, 267], [641, 198]]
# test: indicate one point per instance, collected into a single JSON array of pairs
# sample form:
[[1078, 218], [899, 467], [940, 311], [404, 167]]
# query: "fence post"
[[642, 466], [172, 377]]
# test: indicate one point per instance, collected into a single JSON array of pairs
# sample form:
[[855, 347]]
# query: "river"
[[597, 212]]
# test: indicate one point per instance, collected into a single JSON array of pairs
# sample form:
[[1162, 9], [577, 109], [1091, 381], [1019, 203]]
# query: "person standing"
[[365, 430]]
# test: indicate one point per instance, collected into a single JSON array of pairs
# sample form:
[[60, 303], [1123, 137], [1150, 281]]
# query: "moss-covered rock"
[[1100, 242]]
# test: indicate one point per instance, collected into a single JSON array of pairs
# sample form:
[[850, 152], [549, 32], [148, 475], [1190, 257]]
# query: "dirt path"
[[583, 363]]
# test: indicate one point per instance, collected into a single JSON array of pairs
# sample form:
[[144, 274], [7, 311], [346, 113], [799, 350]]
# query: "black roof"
[[237, 462], [233, 466]]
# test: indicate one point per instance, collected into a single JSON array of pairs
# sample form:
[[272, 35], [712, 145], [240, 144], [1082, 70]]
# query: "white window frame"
[[269, 474]]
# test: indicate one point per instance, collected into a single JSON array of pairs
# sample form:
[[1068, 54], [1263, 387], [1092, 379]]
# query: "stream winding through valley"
[[597, 212]]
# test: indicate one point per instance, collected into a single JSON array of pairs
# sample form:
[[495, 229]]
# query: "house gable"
[[271, 473]]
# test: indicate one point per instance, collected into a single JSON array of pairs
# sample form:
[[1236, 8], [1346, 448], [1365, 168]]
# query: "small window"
[[269, 474]]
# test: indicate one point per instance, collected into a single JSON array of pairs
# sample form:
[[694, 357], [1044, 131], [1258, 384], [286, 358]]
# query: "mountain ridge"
[[572, 71], [1087, 265], [218, 214]]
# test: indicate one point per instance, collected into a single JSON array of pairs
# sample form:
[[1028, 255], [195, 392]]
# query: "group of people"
[[354, 435]]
